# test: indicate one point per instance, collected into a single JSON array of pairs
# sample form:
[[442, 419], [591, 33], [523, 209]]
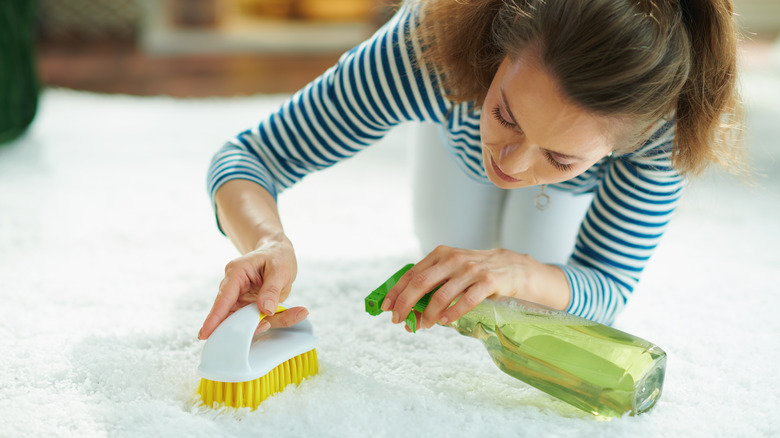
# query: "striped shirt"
[[377, 85]]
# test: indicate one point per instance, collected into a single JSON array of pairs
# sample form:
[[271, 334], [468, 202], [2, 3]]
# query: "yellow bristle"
[[266, 387], [227, 396], [252, 393], [295, 368], [255, 391]]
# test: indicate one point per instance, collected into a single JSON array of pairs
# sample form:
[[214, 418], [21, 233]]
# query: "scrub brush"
[[238, 369]]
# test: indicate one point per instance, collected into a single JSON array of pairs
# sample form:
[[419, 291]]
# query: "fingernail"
[[263, 326], [386, 305], [396, 318], [200, 334], [444, 320], [268, 307], [303, 313]]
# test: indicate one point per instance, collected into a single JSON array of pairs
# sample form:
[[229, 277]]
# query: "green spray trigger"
[[375, 298]]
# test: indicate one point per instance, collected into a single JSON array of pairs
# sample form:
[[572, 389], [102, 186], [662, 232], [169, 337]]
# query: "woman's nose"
[[514, 158]]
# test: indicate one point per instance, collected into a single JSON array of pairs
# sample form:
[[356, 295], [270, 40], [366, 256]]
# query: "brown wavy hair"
[[635, 60]]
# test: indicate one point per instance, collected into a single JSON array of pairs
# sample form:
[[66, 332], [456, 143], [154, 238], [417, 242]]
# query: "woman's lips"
[[501, 173]]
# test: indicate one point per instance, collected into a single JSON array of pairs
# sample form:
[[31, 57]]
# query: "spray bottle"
[[591, 366]]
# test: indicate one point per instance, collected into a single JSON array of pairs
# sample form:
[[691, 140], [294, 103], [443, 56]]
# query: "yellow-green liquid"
[[591, 366]]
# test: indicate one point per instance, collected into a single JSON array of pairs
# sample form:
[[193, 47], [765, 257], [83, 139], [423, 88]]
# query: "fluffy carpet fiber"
[[110, 259]]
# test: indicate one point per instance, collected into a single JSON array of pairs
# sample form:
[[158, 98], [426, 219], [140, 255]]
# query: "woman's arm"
[[632, 206], [470, 276], [633, 203], [372, 88], [248, 215], [264, 273]]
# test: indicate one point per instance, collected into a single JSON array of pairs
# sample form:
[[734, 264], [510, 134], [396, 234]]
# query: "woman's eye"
[[501, 120], [563, 167]]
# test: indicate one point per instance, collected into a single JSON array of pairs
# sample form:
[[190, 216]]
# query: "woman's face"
[[531, 134]]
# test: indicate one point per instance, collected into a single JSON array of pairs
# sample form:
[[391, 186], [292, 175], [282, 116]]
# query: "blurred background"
[[196, 48]]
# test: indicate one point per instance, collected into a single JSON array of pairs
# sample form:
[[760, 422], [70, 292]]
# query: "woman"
[[619, 99]]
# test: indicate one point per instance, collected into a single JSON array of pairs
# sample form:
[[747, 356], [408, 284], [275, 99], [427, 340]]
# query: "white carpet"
[[109, 260]]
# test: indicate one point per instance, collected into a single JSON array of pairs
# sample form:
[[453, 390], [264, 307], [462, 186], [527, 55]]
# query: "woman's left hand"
[[468, 276]]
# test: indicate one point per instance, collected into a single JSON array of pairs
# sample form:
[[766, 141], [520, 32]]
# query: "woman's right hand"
[[262, 277]]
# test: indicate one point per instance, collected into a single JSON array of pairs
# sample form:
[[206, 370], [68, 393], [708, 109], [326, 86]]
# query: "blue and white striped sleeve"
[[372, 88], [630, 210]]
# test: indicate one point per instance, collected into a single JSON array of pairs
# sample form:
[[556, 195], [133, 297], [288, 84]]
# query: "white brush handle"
[[228, 346], [229, 354]]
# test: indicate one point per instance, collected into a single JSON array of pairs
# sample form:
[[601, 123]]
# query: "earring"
[[541, 200]]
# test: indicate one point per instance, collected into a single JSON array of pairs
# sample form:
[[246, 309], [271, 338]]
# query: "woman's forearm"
[[248, 215], [532, 280], [547, 285], [265, 271]]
